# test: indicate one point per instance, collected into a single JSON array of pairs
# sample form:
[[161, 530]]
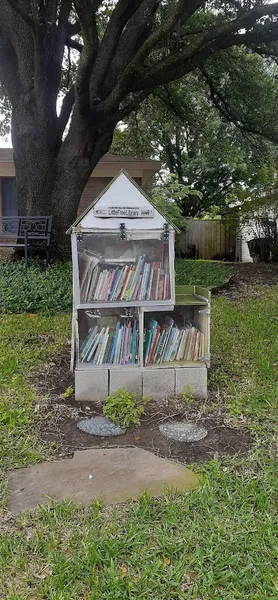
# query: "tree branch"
[[74, 44], [121, 14], [9, 68], [19, 10], [135, 34], [222, 105], [183, 11], [86, 12], [74, 28], [180, 63]]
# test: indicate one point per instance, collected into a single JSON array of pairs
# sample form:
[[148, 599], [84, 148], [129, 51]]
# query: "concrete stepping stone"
[[182, 431], [113, 474], [100, 426]]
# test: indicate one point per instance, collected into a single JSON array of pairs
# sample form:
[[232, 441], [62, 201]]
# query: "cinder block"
[[158, 383], [195, 378], [128, 379], [91, 385]]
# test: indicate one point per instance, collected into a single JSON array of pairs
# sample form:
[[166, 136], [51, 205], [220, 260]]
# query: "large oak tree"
[[123, 55]]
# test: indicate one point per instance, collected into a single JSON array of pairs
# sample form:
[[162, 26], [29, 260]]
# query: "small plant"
[[124, 408], [68, 393], [187, 395]]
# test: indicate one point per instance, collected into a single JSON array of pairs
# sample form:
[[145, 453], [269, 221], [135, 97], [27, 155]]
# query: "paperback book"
[[116, 345], [168, 343], [105, 281]]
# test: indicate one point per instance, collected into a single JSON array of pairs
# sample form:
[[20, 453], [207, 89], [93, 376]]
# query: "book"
[[168, 342], [125, 279], [87, 262], [154, 280], [157, 283]]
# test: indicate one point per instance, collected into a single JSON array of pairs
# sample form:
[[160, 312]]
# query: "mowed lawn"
[[218, 542]]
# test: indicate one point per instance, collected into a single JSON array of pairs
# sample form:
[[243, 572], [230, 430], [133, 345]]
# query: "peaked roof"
[[141, 191]]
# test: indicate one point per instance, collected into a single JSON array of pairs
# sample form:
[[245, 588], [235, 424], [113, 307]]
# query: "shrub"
[[124, 409], [35, 289]]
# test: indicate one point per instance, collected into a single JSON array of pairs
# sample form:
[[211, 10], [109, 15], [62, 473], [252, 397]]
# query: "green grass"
[[244, 354], [207, 273], [27, 343], [216, 543]]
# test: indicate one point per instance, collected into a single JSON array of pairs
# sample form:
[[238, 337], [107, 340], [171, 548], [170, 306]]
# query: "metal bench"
[[26, 232]]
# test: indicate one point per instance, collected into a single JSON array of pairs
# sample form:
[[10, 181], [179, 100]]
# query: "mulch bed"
[[221, 439], [249, 280]]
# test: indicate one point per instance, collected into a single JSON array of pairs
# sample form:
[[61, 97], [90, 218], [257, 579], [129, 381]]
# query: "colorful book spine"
[[169, 343]]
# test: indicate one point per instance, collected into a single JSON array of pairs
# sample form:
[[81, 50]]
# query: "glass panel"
[[172, 337], [113, 270], [109, 337]]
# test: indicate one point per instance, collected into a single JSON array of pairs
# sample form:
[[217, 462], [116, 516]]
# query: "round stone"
[[180, 431], [100, 426]]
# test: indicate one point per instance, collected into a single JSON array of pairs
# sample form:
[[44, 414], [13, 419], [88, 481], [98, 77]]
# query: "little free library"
[[131, 327]]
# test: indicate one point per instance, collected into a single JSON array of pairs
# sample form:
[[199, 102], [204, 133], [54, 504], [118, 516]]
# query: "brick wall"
[[93, 188]]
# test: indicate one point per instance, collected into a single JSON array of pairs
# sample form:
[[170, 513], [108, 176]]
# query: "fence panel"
[[207, 240]]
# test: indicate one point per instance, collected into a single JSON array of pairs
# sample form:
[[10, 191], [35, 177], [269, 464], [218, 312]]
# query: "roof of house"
[[107, 188], [108, 166]]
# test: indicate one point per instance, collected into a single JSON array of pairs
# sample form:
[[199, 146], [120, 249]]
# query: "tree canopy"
[[123, 51], [215, 129]]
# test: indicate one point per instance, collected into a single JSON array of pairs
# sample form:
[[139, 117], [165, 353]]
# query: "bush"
[[124, 409], [36, 289]]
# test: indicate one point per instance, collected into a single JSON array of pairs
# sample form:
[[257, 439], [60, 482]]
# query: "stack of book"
[[111, 345], [109, 281], [169, 343]]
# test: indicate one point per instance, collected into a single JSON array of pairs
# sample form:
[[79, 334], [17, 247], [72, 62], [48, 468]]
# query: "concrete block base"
[[93, 385], [158, 383], [126, 379], [192, 379]]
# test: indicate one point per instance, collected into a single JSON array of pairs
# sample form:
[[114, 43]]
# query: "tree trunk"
[[51, 182]]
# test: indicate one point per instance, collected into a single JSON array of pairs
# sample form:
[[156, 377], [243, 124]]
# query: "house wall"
[[93, 188]]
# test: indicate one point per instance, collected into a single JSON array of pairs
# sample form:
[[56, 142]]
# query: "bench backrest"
[[36, 227]]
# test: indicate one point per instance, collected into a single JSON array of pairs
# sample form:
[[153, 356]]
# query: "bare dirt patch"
[[250, 280], [61, 428]]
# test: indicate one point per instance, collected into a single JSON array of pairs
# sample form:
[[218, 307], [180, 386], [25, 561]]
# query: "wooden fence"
[[207, 240]]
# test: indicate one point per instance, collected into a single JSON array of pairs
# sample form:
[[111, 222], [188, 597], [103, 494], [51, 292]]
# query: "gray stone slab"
[[181, 431], [196, 379], [127, 378], [100, 426], [91, 385], [113, 474], [158, 383]]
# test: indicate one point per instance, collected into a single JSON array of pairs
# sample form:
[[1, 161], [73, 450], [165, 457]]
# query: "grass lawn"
[[207, 273], [216, 543]]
